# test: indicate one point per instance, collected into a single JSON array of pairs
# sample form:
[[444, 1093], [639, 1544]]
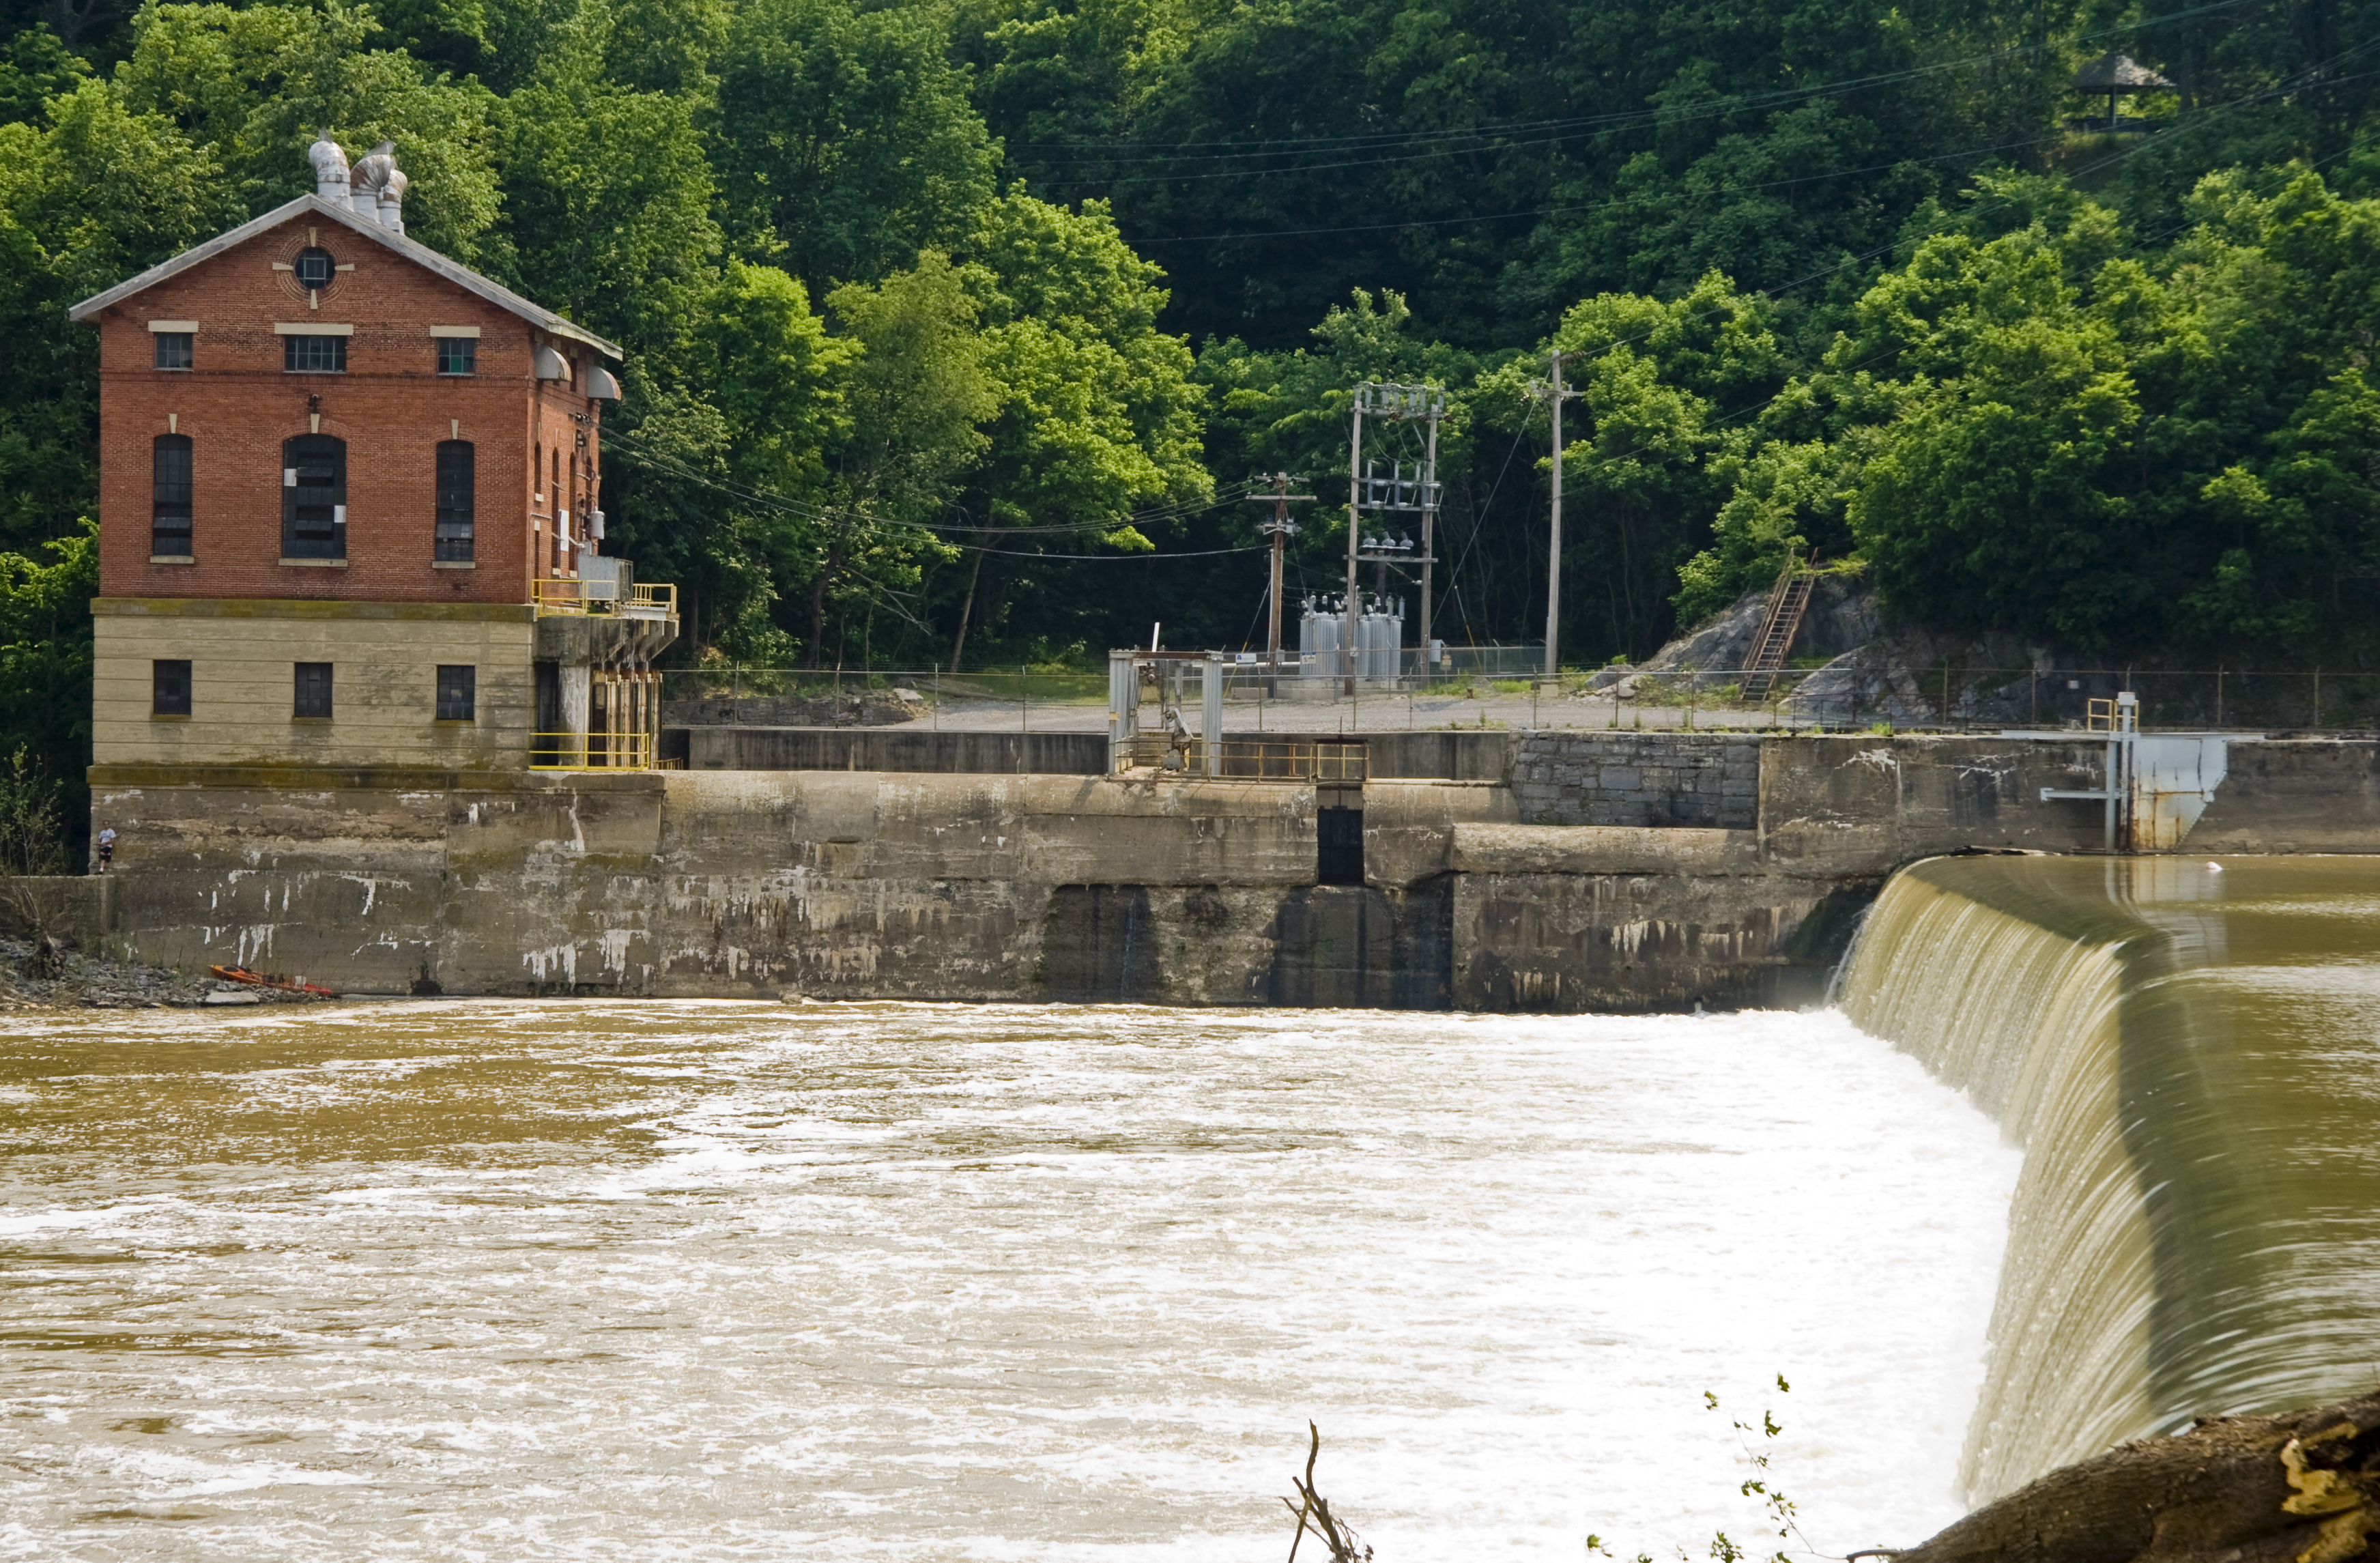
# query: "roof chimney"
[[377, 181], [329, 160], [391, 200]]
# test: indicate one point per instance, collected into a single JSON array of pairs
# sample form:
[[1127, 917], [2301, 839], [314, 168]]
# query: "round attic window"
[[313, 269]]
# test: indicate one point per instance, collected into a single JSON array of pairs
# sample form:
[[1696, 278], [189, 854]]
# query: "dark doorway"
[[1339, 846]]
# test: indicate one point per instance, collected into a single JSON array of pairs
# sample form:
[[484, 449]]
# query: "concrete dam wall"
[[1402, 892]]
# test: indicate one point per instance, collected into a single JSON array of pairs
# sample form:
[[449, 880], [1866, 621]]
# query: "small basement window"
[[313, 696], [458, 692], [175, 349], [314, 355], [169, 686]]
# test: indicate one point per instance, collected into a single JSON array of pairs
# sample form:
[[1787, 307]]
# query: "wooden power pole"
[[1281, 527]]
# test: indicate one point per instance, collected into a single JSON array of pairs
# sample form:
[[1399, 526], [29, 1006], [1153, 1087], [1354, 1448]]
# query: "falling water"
[[2189, 1055]]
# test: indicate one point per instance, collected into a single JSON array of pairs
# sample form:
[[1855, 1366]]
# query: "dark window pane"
[[169, 495], [314, 355], [314, 267], [458, 692], [173, 349], [169, 687], [314, 497], [313, 690], [457, 482], [459, 355]]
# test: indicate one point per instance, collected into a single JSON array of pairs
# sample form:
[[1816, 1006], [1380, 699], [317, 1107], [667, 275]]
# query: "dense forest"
[[961, 330]]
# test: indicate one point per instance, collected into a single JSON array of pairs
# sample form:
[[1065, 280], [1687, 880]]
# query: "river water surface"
[[527, 1280]]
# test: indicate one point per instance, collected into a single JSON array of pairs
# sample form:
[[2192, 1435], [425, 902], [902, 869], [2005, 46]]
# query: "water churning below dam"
[[698, 1280], [730, 1280], [2188, 1052]]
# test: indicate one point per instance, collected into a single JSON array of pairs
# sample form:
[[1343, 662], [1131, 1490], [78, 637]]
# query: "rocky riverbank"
[[71, 979]]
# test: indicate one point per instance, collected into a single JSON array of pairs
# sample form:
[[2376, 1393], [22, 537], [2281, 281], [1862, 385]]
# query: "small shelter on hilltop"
[[2116, 74]]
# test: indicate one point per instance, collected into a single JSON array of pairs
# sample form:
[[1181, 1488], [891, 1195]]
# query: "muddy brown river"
[[685, 1281]]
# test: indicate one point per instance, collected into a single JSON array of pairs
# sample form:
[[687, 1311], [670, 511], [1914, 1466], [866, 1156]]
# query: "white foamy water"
[[902, 1281]]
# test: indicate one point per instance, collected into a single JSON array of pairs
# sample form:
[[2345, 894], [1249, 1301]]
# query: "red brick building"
[[347, 508]]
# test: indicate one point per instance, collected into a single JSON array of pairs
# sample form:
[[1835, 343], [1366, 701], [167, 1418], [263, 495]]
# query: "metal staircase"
[[1786, 605]]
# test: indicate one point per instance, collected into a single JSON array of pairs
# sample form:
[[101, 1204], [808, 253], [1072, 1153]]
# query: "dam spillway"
[[2188, 1050]]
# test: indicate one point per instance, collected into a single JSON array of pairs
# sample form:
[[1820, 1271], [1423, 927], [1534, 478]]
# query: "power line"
[[778, 501], [1284, 146]]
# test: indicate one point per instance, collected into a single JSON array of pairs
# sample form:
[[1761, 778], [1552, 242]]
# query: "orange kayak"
[[241, 973]]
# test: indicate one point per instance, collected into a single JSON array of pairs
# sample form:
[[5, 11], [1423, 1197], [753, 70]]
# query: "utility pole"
[[1553, 559], [1281, 527], [1355, 525], [1428, 532], [1397, 404]]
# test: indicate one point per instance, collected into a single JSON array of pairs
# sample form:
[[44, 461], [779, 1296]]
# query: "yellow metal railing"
[[590, 751], [1257, 759], [638, 602]]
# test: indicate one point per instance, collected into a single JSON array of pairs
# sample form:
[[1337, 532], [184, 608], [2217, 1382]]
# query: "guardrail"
[[1254, 759], [590, 751], [557, 599]]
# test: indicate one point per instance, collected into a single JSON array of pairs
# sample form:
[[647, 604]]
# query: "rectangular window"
[[169, 687], [458, 692], [169, 496], [457, 482], [313, 690], [314, 355], [458, 355], [313, 497], [173, 349]]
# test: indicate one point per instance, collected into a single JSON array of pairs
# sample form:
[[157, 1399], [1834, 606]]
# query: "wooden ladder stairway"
[[1787, 603]]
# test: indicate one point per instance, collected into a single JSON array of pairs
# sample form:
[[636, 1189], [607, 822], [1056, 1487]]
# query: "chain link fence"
[[1489, 691]]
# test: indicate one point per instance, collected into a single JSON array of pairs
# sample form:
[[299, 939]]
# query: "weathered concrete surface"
[[872, 884], [1663, 778], [723, 747]]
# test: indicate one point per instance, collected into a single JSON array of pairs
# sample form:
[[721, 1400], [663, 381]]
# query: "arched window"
[[169, 497], [314, 497], [456, 484]]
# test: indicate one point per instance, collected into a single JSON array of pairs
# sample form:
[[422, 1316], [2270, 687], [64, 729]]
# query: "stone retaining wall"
[[1659, 779]]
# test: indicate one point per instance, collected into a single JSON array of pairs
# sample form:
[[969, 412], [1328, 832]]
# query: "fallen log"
[[2300, 1487]]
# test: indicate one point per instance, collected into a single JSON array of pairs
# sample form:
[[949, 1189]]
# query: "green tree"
[[255, 86], [915, 394], [846, 142], [1098, 413]]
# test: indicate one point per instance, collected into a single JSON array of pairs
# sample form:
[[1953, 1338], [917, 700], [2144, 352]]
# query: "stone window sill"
[[316, 563], [171, 559], [310, 721], [169, 716], [453, 563]]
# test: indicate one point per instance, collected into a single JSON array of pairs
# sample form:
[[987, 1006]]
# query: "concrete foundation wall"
[[907, 749], [878, 884], [384, 661]]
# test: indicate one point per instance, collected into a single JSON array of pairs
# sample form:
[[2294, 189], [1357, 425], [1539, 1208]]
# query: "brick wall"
[[1711, 780], [391, 407]]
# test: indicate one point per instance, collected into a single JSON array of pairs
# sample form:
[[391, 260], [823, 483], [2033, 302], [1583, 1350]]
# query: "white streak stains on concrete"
[[544, 963], [255, 942]]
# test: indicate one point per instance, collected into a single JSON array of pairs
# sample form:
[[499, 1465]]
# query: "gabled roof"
[[419, 254], [2112, 72]]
